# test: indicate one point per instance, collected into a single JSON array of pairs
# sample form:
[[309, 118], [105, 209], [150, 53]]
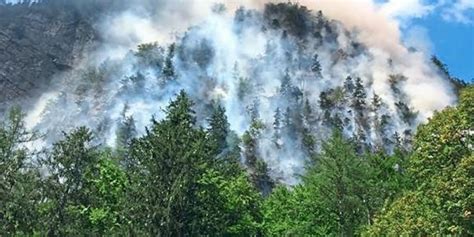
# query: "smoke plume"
[[253, 58]]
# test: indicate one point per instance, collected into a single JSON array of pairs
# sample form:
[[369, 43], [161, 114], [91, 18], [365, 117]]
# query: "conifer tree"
[[257, 167], [376, 103], [168, 68], [172, 155], [336, 179], [218, 128], [316, 66], [348, 85], [125, 132], [286, 87], [359, 96]]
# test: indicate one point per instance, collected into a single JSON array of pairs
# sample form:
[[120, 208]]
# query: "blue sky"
[[452, 42], [446, 27]]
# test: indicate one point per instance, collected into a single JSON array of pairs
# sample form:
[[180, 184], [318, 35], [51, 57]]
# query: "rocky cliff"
[[37, 41]]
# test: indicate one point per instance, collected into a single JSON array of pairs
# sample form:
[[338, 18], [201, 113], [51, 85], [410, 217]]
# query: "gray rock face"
[[37, 41]]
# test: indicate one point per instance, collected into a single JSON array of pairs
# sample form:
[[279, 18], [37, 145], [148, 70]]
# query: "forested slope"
[[254, 122]]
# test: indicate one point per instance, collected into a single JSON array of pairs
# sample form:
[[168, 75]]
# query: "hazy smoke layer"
[[254, 61]]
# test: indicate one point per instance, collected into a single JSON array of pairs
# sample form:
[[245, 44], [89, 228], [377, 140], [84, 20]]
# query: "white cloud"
[[407, 9], [461, 11]]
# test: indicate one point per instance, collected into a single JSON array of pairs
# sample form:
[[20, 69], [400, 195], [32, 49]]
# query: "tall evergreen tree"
[[173, 155], [348, 85], [219, 128], [125, 132], [286, 87], [376, 103], [257, 167], [316, 66], [168, 68], [359, 96], [338, 177]]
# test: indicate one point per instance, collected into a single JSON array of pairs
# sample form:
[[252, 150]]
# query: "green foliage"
[[443, 68], [359, 95], [219, 128], [296, 212], [341, 192], [228, 205], [18, 177], [257, 167], [144, 49], [289, 16], [109, 184], [67, 187], [441, 200], [179, 179], [337, 178], [125, 132], [176, 148]]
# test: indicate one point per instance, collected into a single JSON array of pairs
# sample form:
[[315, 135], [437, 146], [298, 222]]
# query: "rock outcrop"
[[36, 42]]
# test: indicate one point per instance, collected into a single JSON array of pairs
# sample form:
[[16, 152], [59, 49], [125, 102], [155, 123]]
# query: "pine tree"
[[257, 167], [287, 120], [316, 66], [359, 96], [348, 85], [325, 101], [218, 128], [375, 107], [407, 139], [125, 132], [173, 155], [168, 68], [397, 141], [336, 181], [407, 114], [286, 87], [308, 139], [180, 113], [376, 103]]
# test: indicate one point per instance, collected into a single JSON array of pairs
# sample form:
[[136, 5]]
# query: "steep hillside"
[[190, 118], [286, 76], [36, 42]]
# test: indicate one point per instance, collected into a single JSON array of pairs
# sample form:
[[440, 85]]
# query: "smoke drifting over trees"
[[248, 118], [254, 60]]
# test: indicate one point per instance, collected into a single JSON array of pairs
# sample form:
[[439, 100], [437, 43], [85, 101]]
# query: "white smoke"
[[217, 55]]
